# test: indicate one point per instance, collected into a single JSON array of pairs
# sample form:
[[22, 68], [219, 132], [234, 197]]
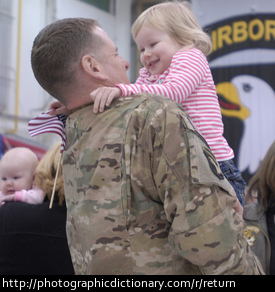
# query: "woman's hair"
[[46, 171], [177, 20], [263, 181]]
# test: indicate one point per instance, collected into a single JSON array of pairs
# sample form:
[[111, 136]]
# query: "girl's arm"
[[185, 75], [33, 196]]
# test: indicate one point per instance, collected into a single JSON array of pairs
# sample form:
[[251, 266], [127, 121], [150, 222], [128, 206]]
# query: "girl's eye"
[[153, 44]]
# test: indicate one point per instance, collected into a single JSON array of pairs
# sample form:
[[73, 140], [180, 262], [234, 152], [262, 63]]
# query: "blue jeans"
[[234, 177]]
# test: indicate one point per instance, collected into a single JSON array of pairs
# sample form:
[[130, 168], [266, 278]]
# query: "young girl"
[[173, 49]]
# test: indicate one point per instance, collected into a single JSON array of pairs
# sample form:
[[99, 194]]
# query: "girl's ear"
[[92, 67]]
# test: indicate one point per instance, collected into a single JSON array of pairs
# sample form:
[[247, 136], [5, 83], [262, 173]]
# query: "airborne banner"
[[243, 66]]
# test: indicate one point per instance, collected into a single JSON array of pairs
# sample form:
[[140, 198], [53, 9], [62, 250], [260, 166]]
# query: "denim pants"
[[234, 177]]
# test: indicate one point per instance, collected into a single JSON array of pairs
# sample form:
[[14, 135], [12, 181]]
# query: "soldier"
[[144, 193]]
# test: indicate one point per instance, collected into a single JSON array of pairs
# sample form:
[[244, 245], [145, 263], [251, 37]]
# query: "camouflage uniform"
[[146, 196]]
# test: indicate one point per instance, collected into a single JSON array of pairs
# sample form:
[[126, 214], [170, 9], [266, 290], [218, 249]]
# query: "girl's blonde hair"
[[46, 171], [177, 20]]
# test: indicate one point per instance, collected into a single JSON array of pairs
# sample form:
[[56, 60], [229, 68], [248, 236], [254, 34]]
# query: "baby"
[[17, 171]]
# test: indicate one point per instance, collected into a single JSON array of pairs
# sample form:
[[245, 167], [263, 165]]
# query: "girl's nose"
[[147, 53]]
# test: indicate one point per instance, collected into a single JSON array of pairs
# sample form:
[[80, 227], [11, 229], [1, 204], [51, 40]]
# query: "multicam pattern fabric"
[[143, 198]]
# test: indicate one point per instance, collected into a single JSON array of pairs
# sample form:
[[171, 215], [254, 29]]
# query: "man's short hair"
[[57, 52]]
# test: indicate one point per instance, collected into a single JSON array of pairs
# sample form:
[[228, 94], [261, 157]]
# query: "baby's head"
[[178, 21], [17, 170]]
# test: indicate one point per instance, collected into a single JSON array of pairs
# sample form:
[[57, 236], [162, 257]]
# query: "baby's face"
[[15, 178]]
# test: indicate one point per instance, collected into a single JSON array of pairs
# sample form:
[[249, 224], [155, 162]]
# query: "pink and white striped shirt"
[[189, 82]]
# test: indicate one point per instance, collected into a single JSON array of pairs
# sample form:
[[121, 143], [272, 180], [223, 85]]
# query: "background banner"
[[243, 66]]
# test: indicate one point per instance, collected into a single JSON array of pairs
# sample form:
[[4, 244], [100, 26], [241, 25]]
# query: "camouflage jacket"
[[145, 195]]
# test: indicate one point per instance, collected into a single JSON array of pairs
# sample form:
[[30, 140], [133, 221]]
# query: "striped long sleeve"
[[189, 82]]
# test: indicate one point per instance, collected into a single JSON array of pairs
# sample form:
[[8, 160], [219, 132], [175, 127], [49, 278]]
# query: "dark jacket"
[[33, 240], [256, 234]]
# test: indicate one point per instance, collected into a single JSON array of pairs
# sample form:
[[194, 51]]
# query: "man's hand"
[[238, 208], [103, 96]]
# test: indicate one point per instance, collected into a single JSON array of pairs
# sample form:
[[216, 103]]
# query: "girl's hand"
[[103, 96], [57, 108]]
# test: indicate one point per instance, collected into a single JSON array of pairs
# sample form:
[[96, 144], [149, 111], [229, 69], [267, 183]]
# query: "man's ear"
[[92, 67]]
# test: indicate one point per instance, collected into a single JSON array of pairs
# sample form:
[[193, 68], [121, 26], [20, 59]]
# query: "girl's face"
[[156, 49]]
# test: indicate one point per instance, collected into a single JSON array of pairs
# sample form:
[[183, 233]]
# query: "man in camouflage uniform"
[[144, 193]]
